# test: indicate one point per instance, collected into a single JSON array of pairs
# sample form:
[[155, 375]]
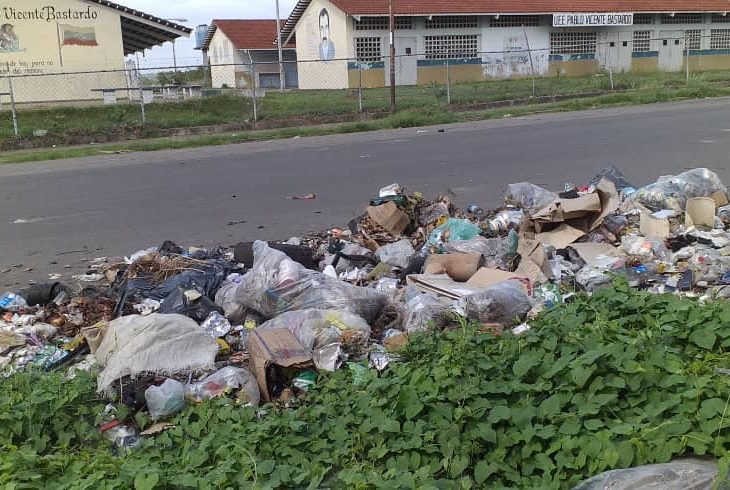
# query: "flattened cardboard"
[[459, 267], [389, 217], [442, 285], [277, 347], [591, 252], [565, 209], [560, 237], [700, 212], [486, 277], [534, 261], [610, 201], [720, 199]]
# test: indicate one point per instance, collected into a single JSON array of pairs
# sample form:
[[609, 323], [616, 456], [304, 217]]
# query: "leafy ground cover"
[[622, 379]]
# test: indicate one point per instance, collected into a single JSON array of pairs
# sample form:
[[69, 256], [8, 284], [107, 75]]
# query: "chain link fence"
[[109, 105]]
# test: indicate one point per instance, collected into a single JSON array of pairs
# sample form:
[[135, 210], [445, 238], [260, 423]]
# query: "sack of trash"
[[276, 284], [326, 333], [157, 343], [223, 382], [672, 192], [689, 474], [505, 302], [426, 312]]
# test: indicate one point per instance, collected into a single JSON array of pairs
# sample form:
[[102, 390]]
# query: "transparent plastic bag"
[[646, 248], [690, 474], [216, 325], [276, 284], [454, 229], [528, 196], [504, 302], [672, 192], [223, 382], [166, 399], [432, 214], [398, 254], [425, 312], [320, 330], [225, 297], [598, 275]]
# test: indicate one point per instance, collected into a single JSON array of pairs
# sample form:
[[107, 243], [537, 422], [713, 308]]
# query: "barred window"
[[382, 23], [572, 43], [682, 19], [368, 49], [720, 39], [453, 22], [515, 21], [720, 19], [449, 47], [643, 19], [642, 41], [693, 39]]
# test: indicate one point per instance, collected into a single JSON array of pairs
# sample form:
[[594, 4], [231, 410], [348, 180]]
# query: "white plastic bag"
[[227, 380], [397, 254], [528, 196], [426, 311]]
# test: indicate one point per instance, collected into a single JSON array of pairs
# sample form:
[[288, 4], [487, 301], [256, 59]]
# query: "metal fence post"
[[12, 104], [448, 82], [359, 87], [253, 98]]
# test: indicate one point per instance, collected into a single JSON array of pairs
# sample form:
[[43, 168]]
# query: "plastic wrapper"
[[672, 192], [504, 302], [616, 223], [326, 333], [690, 474], [615, 176], [225, 297], [227, 380], [398, 254], [277, 284], [12, 302], [528, 196], [454, 229], [645, 248], [166, 399], [216, 325], [600, 274], [425, 312], [433, 213]]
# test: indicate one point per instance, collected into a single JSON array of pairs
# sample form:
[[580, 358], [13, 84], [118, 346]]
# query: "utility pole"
[[282, 78], [392, 57]]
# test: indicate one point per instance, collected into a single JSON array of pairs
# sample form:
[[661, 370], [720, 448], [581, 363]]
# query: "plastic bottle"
[[506, 220]]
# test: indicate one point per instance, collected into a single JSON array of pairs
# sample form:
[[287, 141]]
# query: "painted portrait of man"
[[326, 46]]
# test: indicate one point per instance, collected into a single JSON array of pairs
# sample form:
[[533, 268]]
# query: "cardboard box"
[[700, 212], [389, 217], [275, 347]]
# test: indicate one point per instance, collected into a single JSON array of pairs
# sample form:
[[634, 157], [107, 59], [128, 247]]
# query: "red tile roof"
[[426, 7], [250, 34]]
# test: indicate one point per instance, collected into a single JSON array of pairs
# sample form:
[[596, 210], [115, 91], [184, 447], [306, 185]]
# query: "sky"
[[197, 12]]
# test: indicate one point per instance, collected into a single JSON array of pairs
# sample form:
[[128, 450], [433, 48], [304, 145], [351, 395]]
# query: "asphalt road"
[[55, 216]]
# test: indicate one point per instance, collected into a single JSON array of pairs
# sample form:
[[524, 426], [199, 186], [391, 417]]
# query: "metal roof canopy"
[[142, 31]]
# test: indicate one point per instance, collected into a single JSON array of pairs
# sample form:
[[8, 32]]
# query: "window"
[[448, 47], [572, 43], [515, 21], [682, 19], [382, 23], [452, 22], [720, 19], [643, 19], [642, 41], [693, 39], [720, 39], [368, 49]]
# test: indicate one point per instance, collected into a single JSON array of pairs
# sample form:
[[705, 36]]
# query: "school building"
[[39, 38], [340, 41]]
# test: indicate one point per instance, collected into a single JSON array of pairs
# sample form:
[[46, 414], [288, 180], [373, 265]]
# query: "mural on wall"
[[77, 36], [326, 46], [515, 59], [9, 41]]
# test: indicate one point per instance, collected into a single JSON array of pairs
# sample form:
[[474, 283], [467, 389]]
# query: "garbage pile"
[[167, 326]]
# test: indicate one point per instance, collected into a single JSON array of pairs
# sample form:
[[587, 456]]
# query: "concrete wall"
[[223, 55], [61, 36], [323, 64], [506, 52]]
